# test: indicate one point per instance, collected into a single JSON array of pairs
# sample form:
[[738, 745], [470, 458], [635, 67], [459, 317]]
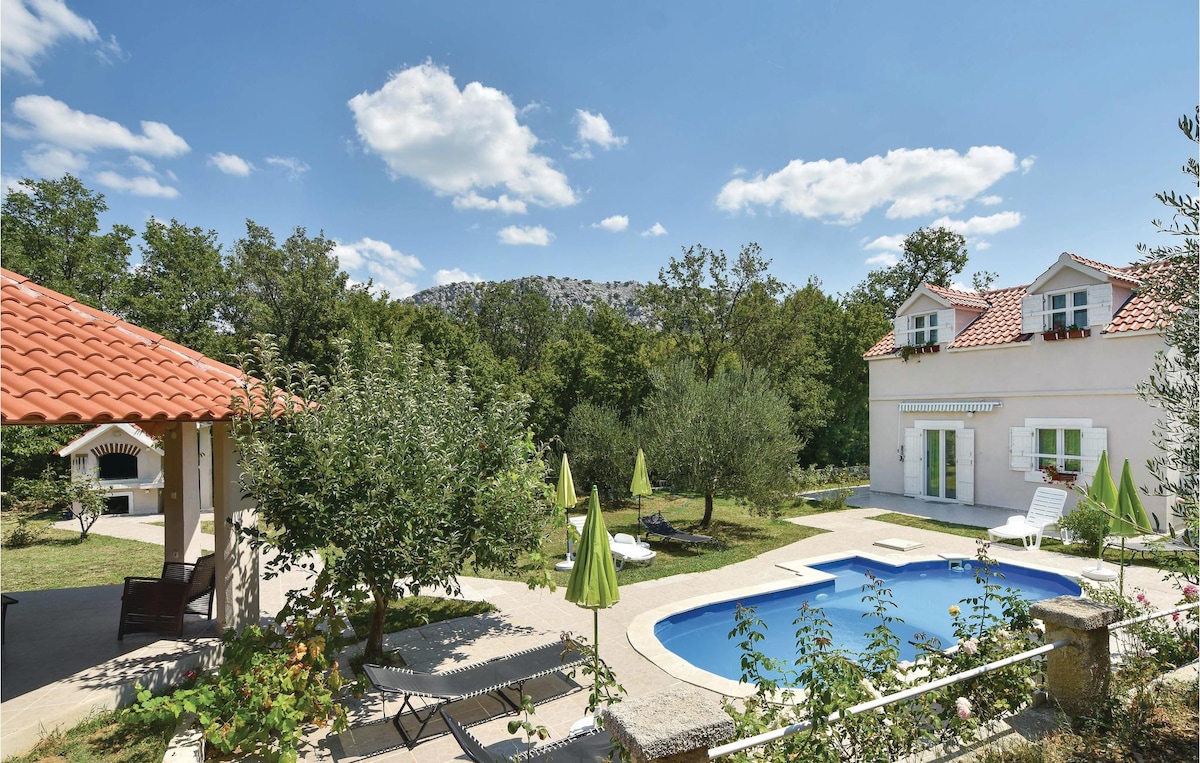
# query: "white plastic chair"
[[1044, 511]]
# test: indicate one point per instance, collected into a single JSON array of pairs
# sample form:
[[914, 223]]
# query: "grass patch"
[[1048, 543], [742, 534], [206, 525], [58, 560], [104, 738], [415, 611]]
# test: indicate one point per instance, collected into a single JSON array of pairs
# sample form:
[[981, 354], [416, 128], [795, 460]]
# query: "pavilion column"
[[181, 493], [237, 602]]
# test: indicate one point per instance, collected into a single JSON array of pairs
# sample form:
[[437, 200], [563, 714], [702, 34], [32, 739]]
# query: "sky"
[[442, 142]]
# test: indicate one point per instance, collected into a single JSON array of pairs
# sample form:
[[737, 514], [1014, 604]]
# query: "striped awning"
[[953, 406]]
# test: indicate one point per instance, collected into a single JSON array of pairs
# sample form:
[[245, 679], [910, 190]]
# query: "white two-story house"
[[979, 398]]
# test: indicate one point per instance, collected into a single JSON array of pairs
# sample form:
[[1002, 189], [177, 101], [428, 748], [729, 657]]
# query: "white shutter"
[[900, 327], [1032, 307], [964, 462], [914, 459], [1093, 442], [945, 319], [1021, 448], [1100, 307]]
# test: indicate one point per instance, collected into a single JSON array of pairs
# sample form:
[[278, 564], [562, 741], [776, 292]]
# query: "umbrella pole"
[[639, 535], [1121, 569], [595, 659]]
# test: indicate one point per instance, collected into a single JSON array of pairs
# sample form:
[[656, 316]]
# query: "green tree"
[[180, 287], [700, 302], [28, 451], [601, 447], [1170, 276], [730, 435], [294, 292], [931, 255], [50, 232], [392, 471]]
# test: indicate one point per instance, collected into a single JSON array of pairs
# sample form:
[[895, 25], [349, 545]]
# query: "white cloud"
[[31, 28], [886, 244], [377, 260], [616, 223], [455, 275], [231, 164], [53, 162], [655, 230], [990, 201], [532, 235], [738, 170], [909, 182], [293, 167], [138, 186], [594, 128], [142, 165], [458, 142], [981, 245], [1027, 163], [508, 206], [887, 260], [977, 226], [54, 122]]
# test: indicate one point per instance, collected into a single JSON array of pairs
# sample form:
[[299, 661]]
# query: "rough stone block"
[[1076, 613], [669, 724]]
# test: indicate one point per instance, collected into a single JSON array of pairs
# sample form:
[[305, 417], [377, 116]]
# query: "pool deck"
[[526, 618]]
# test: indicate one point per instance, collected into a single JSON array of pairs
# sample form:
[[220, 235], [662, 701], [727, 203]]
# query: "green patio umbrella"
[[640, 485], [1104, 492], [593, 581], [565, 499], [1130, 517]]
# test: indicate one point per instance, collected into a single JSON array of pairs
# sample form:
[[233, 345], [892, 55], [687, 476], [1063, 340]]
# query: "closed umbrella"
[[1104, 492], [565, 498], [640, 485], [1130, 516], [593, 580]]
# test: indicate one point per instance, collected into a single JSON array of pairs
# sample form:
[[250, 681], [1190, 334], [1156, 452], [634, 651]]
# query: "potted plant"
[[908, 350], [1073, 331], [1052, 473]]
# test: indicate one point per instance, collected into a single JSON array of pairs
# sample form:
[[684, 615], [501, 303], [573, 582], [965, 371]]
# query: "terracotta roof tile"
[[66, 363], [1001, 322], [959, 298]]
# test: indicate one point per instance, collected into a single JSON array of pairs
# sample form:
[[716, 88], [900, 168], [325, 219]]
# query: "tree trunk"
[[374, 647], [708, 508]]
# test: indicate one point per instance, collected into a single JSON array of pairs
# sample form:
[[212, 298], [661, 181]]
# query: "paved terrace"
[[49, 634]]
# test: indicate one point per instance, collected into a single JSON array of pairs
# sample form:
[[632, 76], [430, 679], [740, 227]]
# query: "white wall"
[[1094, 377]]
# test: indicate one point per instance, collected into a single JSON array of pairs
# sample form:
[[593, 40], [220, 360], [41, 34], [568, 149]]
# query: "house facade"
[[980, 398]]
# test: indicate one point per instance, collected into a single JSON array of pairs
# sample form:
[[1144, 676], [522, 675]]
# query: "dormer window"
[[924, 329], [1068, 309]]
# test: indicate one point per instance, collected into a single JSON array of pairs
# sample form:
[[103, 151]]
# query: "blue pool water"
[[923, 592]]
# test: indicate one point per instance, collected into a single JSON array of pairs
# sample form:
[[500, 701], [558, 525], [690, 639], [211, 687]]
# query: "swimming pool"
[[923, 591]]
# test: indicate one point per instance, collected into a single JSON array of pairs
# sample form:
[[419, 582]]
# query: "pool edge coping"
[[640, 632]]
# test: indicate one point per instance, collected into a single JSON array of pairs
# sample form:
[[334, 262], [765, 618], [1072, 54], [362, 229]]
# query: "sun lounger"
[[657, 524], [1150, 545], [1045, 510], [492, 677], [591, 747], [625, 548]]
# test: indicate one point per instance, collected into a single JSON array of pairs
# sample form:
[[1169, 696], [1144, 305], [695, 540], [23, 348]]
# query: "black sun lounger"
[[656, 524], [592, 747], [492, 677]]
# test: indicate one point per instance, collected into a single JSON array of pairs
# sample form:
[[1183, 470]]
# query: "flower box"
[[1054, 336], [917, 349]]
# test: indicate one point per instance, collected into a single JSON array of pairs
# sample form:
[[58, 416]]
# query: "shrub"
[[271, 685], [1087, 522]]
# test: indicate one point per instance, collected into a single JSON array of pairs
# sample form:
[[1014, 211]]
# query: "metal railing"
[[916, 691]]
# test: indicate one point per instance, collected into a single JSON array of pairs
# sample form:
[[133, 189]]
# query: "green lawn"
[[59, 560], [104, 738], [742, 534], [979, 533], [206, 525]]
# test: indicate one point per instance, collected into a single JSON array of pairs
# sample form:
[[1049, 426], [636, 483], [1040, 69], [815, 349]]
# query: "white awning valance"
[[953, 406]]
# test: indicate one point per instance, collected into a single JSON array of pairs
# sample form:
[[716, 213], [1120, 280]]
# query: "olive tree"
[[729, 435], [388, 469]]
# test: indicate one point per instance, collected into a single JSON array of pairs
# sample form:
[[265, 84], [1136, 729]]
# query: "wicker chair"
[[157, 605]]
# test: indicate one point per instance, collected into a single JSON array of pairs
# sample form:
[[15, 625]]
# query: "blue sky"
[[454, 141]]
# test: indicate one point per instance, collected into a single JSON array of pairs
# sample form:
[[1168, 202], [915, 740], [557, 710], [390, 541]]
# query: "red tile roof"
[[1000, 323], [62, 362], [971, 299]]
